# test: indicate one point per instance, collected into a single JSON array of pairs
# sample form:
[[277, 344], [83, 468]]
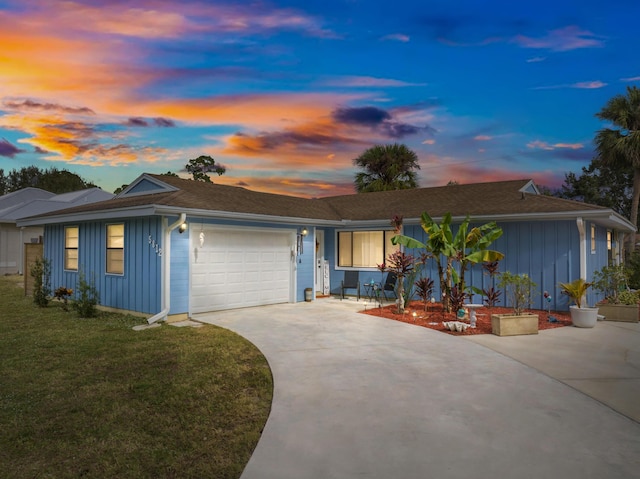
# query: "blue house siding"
[[138, 289], [305, 266], [180, 286], [548, 251]]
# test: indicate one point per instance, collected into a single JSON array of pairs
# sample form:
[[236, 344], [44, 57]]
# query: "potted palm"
[[519, 289], [620, 303], [581, 316]]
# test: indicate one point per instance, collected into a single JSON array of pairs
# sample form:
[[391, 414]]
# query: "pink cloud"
[[397, 37], [543, 145], [585, 85], [561, 39], [366, 81]]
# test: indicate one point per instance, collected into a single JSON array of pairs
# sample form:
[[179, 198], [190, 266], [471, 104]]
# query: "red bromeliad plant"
[[424, 289]]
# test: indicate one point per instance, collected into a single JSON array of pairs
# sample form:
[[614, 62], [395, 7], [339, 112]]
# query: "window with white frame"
[[71, 248], [115, 248], [593, 239], [364, 249]]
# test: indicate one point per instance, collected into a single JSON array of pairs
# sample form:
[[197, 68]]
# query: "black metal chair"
[[351, 281], [389, 285]]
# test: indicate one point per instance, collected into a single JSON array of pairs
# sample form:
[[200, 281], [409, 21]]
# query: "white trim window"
[[71, 235], [364, 249], [115, 248]]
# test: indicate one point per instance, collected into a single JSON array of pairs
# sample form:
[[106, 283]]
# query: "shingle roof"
[[198, 195], [34, 201], [478, 199], [501, 198]]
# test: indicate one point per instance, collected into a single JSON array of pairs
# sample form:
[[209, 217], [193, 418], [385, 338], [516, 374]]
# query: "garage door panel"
[[240, 268]]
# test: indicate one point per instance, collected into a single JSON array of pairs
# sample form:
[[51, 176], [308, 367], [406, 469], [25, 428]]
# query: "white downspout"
[[166, 271], [583, 248]]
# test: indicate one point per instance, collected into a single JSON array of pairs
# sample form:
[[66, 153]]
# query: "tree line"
[[50, 179]]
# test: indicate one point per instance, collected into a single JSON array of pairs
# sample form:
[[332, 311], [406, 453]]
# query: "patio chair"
[[389, 285], [351, 281]]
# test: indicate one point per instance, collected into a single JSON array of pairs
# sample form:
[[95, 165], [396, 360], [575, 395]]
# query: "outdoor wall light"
[[182, 228], [304, 232]]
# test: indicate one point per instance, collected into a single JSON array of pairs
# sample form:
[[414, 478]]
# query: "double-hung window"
[[364, 249], [71, 248], [115, 248]]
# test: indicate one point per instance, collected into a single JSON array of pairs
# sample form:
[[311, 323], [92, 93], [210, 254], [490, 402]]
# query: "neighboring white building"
[[31, 202]]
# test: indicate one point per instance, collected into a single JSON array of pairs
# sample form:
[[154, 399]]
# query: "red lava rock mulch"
[[434, 316]]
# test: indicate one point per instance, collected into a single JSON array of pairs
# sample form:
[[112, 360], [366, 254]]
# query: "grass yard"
[[93, 398]]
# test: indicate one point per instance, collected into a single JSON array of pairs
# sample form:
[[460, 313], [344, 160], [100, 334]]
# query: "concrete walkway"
[[603, 362], [358, 396]]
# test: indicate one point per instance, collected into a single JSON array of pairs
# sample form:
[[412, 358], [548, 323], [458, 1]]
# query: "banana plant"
[[466, 247]]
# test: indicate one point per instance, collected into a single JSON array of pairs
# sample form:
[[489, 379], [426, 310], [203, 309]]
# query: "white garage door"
[[238, 268]]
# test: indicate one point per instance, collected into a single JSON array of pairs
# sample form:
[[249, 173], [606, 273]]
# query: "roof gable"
[[146, 185]]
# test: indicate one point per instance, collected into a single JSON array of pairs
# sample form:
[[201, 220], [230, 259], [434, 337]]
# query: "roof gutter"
[[166, 271]]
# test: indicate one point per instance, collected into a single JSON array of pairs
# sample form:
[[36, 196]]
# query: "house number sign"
[[155, 246]]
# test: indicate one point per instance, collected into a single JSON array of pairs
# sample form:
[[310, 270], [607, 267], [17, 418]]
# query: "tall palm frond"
[[621, 145], [386, 167]]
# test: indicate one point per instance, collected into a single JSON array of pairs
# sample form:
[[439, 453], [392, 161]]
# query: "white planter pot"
[[584, 317]]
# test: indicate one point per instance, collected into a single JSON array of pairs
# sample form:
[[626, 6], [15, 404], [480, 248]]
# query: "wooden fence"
[[31, 252]]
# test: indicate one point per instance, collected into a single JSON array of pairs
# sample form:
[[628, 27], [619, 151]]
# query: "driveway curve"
[[357, 396]]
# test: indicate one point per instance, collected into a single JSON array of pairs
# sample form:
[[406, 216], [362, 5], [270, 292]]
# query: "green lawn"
[[93, 398]]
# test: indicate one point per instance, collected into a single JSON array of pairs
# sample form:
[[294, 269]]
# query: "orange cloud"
[[292, 186], [255, 111], [74, 70]]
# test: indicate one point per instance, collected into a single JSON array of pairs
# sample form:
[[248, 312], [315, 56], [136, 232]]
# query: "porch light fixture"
[[182, 228], [304, 232]]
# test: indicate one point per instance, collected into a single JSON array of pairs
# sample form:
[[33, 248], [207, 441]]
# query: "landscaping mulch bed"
[[434, 316]]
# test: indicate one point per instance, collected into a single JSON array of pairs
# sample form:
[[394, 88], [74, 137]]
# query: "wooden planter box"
[[619, 312], [512, 325]]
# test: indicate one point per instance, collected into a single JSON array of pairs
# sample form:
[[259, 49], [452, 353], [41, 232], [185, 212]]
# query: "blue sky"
[[286, 93]]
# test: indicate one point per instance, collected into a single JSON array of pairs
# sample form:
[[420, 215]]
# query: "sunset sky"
[[286, 93]]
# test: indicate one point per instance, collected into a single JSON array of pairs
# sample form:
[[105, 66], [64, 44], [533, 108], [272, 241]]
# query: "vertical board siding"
[[305, 265], [549, 251], [138, 289], [180, 286]]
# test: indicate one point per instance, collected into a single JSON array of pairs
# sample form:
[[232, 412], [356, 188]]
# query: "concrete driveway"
[[358, 396]]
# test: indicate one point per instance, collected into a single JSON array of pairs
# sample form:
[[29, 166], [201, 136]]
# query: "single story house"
[[29, 202], [170, 248]]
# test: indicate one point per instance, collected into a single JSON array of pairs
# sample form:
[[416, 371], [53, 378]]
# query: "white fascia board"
[[162, 210], [608, 218], [132, 212], [230, 215]]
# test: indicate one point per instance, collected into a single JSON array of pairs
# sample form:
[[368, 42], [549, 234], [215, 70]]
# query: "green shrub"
[[611, 280], [633, 266], [518, 288], [87, 298], [40, 272], [628, 297]]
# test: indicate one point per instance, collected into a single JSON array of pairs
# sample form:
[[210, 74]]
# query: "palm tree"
[[621, 146], [386, 167]]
